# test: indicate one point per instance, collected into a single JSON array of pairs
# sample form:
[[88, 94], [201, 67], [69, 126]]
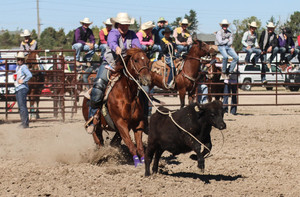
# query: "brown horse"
[[37, 77], [124, 105], [187, 78], [213, 78]]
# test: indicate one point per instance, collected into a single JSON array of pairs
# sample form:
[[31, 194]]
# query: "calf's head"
[[212, 113]]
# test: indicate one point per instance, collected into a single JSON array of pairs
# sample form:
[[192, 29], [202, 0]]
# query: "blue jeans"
[[172, 68], [225, 51], [181, 48], [156, 48], [250, 51], [21, 96], [283, 51], [273, 55], [80, 47], [98, 93], [102, 48], [230, 89], [202, 89]]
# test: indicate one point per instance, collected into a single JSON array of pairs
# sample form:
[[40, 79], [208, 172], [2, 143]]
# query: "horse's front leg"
[[122, 126], [182, 97], [138, 132]]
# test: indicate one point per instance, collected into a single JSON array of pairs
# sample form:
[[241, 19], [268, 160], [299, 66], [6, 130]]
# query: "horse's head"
[[138, 65], [199, 49]]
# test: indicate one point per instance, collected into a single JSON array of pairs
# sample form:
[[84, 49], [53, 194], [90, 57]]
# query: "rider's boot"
[[95, 103]]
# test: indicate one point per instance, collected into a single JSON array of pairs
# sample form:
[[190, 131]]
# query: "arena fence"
[[63, 84]]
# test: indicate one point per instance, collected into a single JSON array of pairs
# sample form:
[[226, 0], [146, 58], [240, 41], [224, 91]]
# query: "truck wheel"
[[293, 88], [247, 85]]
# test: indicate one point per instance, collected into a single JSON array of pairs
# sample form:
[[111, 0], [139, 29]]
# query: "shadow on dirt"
[[205, 178]]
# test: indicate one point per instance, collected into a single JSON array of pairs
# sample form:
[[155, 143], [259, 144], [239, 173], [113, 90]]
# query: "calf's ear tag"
[[197, 108], [143, 58]]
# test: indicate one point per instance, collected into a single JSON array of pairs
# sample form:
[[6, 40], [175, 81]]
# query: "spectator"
[[103, 34], [250, 44], [168, 47], [224, 42], [183, 38], [287, 45], [21, 77], [157, 33], [230, 90], [268, 43], [27, 44], [80, 42], [145, 36]]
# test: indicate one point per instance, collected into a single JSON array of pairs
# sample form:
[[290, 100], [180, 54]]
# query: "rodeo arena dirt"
[[256, 155]]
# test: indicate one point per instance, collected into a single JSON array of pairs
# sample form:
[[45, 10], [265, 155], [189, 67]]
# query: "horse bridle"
[[137, 71]]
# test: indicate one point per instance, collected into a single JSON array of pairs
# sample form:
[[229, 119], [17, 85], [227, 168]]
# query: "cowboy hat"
[[20, 55], [107, 22], [271, 25], [161, 19], [252, 24], [147, 25], [167, 30], [224, 22], [123, 19], [86, 21], [25, 33], [185, 22]]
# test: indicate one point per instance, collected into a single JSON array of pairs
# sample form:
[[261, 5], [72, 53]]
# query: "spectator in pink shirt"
[[103, 36], [145, 36]]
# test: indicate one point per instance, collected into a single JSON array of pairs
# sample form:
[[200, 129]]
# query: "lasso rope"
[[164, 113]]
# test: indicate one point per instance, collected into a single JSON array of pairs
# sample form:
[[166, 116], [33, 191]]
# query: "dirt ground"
[[259, 157]]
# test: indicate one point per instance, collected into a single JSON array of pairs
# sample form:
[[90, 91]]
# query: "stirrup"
[[87, 123]]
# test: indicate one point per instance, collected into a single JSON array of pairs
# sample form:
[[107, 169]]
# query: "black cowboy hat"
[[167, 30], [288, 32]]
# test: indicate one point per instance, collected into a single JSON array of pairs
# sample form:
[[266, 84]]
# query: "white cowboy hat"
[[123, 19], [107, 22], [147, 25], [224, 22], [25, 33], [253, 24], [86, 21], [270, 25], [20, 55], [184, 21]]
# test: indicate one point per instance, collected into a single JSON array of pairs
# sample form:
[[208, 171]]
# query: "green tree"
[[294, 23], [192, 18], [6, 40]]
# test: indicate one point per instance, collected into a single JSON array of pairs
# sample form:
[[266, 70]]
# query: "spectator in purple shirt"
[[287, 45], [80, 42], [119, 40]]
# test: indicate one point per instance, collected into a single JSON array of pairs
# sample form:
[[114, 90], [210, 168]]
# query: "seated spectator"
[[224, 42], [157, 33], [268, 43], [168, 47], [27, 44], [287, 45], [183, 38], [80, 42], [103, 36], [145, 36], [250, 44]]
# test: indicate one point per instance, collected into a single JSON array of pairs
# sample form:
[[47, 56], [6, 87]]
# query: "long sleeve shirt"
[[224, 38], [22, 72], [102, 36], [184, 34], [31, 45], [157, 32], [249, 39], [78, 38], [287, 43]]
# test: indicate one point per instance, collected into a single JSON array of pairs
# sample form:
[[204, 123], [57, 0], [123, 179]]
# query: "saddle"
[[161, 68]]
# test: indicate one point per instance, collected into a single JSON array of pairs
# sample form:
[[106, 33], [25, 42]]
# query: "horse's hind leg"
[[182, 97]]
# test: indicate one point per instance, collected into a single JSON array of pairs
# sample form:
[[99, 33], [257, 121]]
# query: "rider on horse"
[[119, 40], [169, 50]]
